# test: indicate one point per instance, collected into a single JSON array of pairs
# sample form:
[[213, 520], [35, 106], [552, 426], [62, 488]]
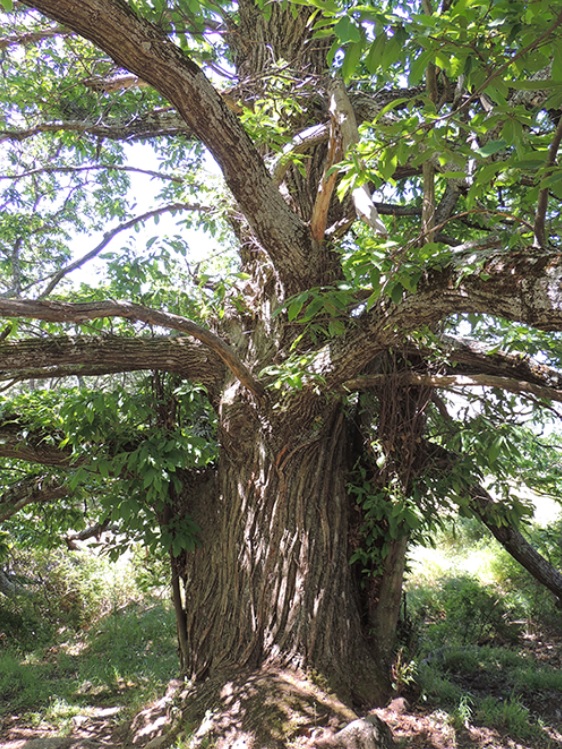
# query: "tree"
[[295, 431]]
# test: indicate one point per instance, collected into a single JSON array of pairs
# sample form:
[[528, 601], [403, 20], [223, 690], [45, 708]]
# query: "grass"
[[125, 659], [473, 611], [107, 643]]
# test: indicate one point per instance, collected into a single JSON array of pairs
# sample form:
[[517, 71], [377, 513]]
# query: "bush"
[[60, 590], [463, 611]]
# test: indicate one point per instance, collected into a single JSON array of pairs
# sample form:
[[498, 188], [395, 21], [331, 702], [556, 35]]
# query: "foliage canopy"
[[381, 239]]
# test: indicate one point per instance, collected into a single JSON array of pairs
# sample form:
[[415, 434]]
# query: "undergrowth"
[[475, 623], [91, 637]]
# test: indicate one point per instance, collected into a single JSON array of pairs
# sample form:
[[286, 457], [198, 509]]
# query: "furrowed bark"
[[66, 356], [79, 313], [270, 580]]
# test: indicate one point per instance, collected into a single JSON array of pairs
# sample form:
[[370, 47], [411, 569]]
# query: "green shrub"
[[60, 590], [462, 611], [507, 716]]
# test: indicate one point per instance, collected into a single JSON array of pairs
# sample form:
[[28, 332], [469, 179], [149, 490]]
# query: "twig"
[[542, 203]]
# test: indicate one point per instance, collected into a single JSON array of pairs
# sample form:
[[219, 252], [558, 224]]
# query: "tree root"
[[267, 709]]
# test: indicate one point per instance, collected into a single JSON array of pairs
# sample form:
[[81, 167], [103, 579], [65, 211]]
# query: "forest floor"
[[429, 727], [415, 723], [480, 666]]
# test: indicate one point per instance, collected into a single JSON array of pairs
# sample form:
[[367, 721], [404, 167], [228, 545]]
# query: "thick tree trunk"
[[271, 583]]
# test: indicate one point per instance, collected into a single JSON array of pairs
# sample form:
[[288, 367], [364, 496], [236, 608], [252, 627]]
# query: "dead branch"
[[343, 115]]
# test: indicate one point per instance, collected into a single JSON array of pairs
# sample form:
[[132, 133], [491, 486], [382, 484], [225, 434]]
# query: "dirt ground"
[[414, 726]]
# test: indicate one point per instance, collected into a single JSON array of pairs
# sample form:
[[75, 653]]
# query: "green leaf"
[[491, 148], [375, 55], [553, 181], [351, 60], [347, 31], [295, 307]]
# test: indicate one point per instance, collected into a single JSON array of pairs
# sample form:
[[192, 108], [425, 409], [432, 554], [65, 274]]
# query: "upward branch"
[[145, 50]]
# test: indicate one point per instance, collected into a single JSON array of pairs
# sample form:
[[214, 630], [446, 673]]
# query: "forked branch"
[[80, 313]]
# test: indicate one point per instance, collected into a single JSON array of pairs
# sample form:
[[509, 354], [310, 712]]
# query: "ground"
[[414, 725]]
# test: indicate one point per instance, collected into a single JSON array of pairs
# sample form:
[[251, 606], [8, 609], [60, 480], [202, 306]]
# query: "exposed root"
[[272, 709]]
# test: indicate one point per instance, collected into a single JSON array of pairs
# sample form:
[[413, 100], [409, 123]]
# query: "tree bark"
[[515, 543], [270, 584]]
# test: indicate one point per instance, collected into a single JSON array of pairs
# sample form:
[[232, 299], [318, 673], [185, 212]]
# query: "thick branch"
[[489, 512], [32, 448], [164, 122], [470, 357], [80, 313], [515, 543], [65, 356], [145, 51], [524, 286], [457, 381], [93, 531], [31, 490]]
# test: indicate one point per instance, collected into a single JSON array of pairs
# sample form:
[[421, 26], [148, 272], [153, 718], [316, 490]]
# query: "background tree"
[[295, 429]]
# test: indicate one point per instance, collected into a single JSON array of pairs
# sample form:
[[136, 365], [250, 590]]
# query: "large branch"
[[31, 490], [80, 313], [454, 381], [523, 286], [159, 123], [471, 357], [143, 49], [18, 443], [82, 356]]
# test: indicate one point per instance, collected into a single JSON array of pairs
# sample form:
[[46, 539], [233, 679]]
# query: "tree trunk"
[[270, 585]]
